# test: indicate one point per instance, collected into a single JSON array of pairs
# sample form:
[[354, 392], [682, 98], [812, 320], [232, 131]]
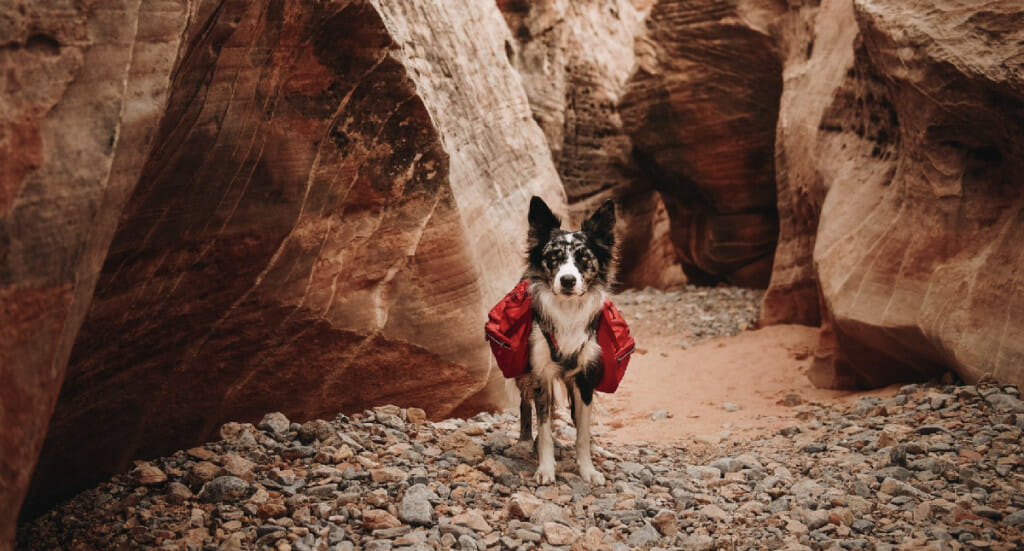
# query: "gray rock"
[[390, 420], [549, 512], [1014, 519], [643, 536], [815, 519], [779, 505], [727, 465], [225, 488], [298, 452], [468, 543], [1005, 403], [696, 543], [862, 526], [415, 508], [377, 545], [322, 490], [275, 423], [265, 529]]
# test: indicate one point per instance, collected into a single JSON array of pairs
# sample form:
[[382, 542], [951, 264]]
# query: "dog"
[[569, 274]]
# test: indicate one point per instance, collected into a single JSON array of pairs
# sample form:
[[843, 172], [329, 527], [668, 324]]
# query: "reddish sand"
[[754, 370]]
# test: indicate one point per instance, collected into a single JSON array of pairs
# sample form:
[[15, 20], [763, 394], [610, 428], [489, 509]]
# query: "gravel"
[[857, 476], [693, 314]]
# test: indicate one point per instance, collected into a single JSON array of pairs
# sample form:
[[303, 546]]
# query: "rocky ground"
[[692, 313], [931, 467]]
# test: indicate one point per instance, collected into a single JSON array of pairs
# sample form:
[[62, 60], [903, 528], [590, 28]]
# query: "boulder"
[[701, 111], [323, 205]]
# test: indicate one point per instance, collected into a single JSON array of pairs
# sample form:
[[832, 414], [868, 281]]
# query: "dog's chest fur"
[[571, 322]]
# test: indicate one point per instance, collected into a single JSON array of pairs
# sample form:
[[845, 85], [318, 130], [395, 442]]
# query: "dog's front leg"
[[544, 400], [583, 401], [525, 385]]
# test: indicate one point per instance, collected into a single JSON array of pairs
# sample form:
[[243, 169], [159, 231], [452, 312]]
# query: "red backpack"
[[508, 332]]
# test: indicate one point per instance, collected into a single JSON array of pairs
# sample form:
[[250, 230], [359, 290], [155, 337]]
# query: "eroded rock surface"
[[917, 249], [575, 59], [84, 89], [334, 194], [701, 110]]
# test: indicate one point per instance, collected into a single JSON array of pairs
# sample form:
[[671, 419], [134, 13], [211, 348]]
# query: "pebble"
[[558, 534], [225, 488], [275, 423], [147, 474], [874, 474]]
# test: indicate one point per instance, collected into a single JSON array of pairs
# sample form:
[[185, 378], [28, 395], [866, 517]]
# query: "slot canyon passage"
[[247, 250]]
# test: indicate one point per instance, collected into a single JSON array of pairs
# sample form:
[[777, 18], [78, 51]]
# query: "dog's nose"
[[568, 281]]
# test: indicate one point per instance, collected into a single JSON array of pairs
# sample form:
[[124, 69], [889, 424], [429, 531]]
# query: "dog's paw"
[[591, 476], [545, 475]]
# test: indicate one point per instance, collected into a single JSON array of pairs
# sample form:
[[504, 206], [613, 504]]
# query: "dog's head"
[[571, 262]]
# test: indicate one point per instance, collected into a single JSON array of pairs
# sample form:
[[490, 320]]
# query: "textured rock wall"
[[701, 110], [917, 249], [816, 40], [84, 88], [575, 59], [326, 205]]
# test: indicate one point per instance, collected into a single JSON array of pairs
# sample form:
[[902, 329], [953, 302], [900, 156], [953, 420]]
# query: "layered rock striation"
[[575, 60], [318, 209], [84, 90], [701, 111], [917, 249]]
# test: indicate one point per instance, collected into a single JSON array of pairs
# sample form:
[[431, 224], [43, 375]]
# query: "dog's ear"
[[542, 220], [542, 223], [600, 227]]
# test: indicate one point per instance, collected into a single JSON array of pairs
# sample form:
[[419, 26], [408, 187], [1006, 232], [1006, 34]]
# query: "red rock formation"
[[575, 59], [817, 45], [84, 88], [918, 248], [331, 199], [701, 110]]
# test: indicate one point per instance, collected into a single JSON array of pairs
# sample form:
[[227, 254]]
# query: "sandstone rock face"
[[575, 59], [816, 41], [330, 199], [84, 88], [918, 248], [701, 110]]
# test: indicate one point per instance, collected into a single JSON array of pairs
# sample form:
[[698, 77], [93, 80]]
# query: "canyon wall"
[[575, 59], [917, 249], [308, 209], [84, 90], [701, 109]]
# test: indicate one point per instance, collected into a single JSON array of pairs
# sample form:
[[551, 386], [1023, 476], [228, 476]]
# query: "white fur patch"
[[569, 269], [570, 317]]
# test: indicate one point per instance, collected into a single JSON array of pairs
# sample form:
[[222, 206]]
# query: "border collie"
[[569, 273]]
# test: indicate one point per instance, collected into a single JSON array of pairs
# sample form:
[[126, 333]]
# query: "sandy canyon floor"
[[703, 371]]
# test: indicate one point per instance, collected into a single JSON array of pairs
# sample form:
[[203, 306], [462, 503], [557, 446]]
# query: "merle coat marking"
[[569, 273]]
